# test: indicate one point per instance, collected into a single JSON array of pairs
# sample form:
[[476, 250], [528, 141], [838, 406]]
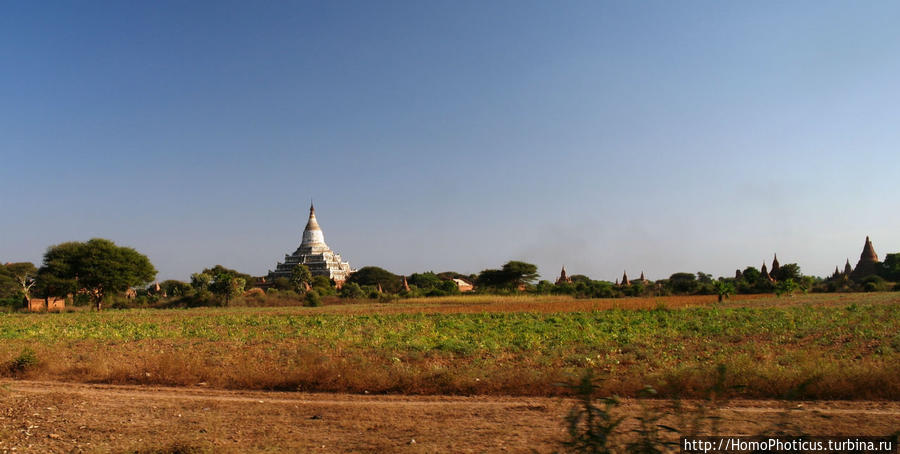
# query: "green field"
[[811, 348]]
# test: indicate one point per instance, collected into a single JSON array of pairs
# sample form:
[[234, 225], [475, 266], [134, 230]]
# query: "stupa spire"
[[867, 264], [312, 234], [563, 277], [868, 253]]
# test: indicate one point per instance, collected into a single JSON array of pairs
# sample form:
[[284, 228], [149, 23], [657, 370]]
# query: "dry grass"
[[817, 346]]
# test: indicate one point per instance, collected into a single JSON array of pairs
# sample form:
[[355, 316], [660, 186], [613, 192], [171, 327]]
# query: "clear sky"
[[454, 135]]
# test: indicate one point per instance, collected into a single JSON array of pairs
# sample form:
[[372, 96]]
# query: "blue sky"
[[606, 136]]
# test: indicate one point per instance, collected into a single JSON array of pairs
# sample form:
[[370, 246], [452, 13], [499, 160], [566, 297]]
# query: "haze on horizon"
[[606, 136]]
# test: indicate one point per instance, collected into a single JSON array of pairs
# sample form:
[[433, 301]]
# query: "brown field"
[[456, 374], [42, 417]]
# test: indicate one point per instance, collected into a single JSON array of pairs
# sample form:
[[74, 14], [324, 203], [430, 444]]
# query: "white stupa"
[[315, 254]]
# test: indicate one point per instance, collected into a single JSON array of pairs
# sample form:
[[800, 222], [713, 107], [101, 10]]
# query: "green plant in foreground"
[[26, 360], [591, 424]]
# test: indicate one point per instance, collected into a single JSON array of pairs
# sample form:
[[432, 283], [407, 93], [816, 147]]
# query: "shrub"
[[313, 299], [352, 290], [256, 293], [27, 359]]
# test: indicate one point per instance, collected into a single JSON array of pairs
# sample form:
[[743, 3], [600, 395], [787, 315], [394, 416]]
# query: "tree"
[[513, 275], [491, 279], [683, 282], [787, 286], [97, 267], [201, 281], [427, 280], [323, 286], [219, 269], [788, 271], [891, 267], [301, 278], [520, 272], [175, 288], [227, 286], [751, 275], [373, 276], [724, 289], [352, 290]]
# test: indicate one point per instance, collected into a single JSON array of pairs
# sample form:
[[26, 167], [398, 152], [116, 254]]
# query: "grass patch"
[[843, 348]]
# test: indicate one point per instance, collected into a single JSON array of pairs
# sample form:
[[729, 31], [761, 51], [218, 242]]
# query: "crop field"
[[812, 347]]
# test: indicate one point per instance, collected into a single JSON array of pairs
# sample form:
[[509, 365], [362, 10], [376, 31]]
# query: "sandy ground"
[[64, 417]]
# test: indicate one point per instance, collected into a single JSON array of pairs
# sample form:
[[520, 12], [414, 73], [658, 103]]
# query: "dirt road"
[[66, 417]]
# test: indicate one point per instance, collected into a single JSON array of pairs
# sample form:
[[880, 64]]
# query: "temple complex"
[[866, 266], [315, 254]]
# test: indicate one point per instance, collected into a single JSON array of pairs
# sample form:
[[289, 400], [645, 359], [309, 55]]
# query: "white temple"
[[315, 254]]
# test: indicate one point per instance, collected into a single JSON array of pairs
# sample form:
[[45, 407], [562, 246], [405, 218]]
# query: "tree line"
[[97, 271]]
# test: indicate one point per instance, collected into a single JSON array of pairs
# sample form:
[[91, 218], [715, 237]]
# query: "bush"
[[352, 290], [313, 299], [256, 293], [27, 359]]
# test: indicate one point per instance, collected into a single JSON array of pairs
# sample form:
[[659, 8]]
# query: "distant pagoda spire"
[[775, 265], [642, 279], [868, 261], [563, 277], [868, 254], [847, 268], [625, 280], [765, 272], [737, 274], [836, 274]]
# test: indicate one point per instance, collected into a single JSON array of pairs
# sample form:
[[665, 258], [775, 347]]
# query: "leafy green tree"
[[576, 278], [312, 299], [513, 275], [98, 267], [751, 275], [282, 284], [301, 277], [891, 267], [227, 286], [788, 271], [492, 279], [175, 288], [685, 283], [201, 281], [219, 269], [427, 280], [786, 287], [543, 287], [520, 272], [323, 286], [352, 290], [724, 289], [17, 280], [374, 276]]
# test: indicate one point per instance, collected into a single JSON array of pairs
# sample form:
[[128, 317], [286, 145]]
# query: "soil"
[[73, 418]]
